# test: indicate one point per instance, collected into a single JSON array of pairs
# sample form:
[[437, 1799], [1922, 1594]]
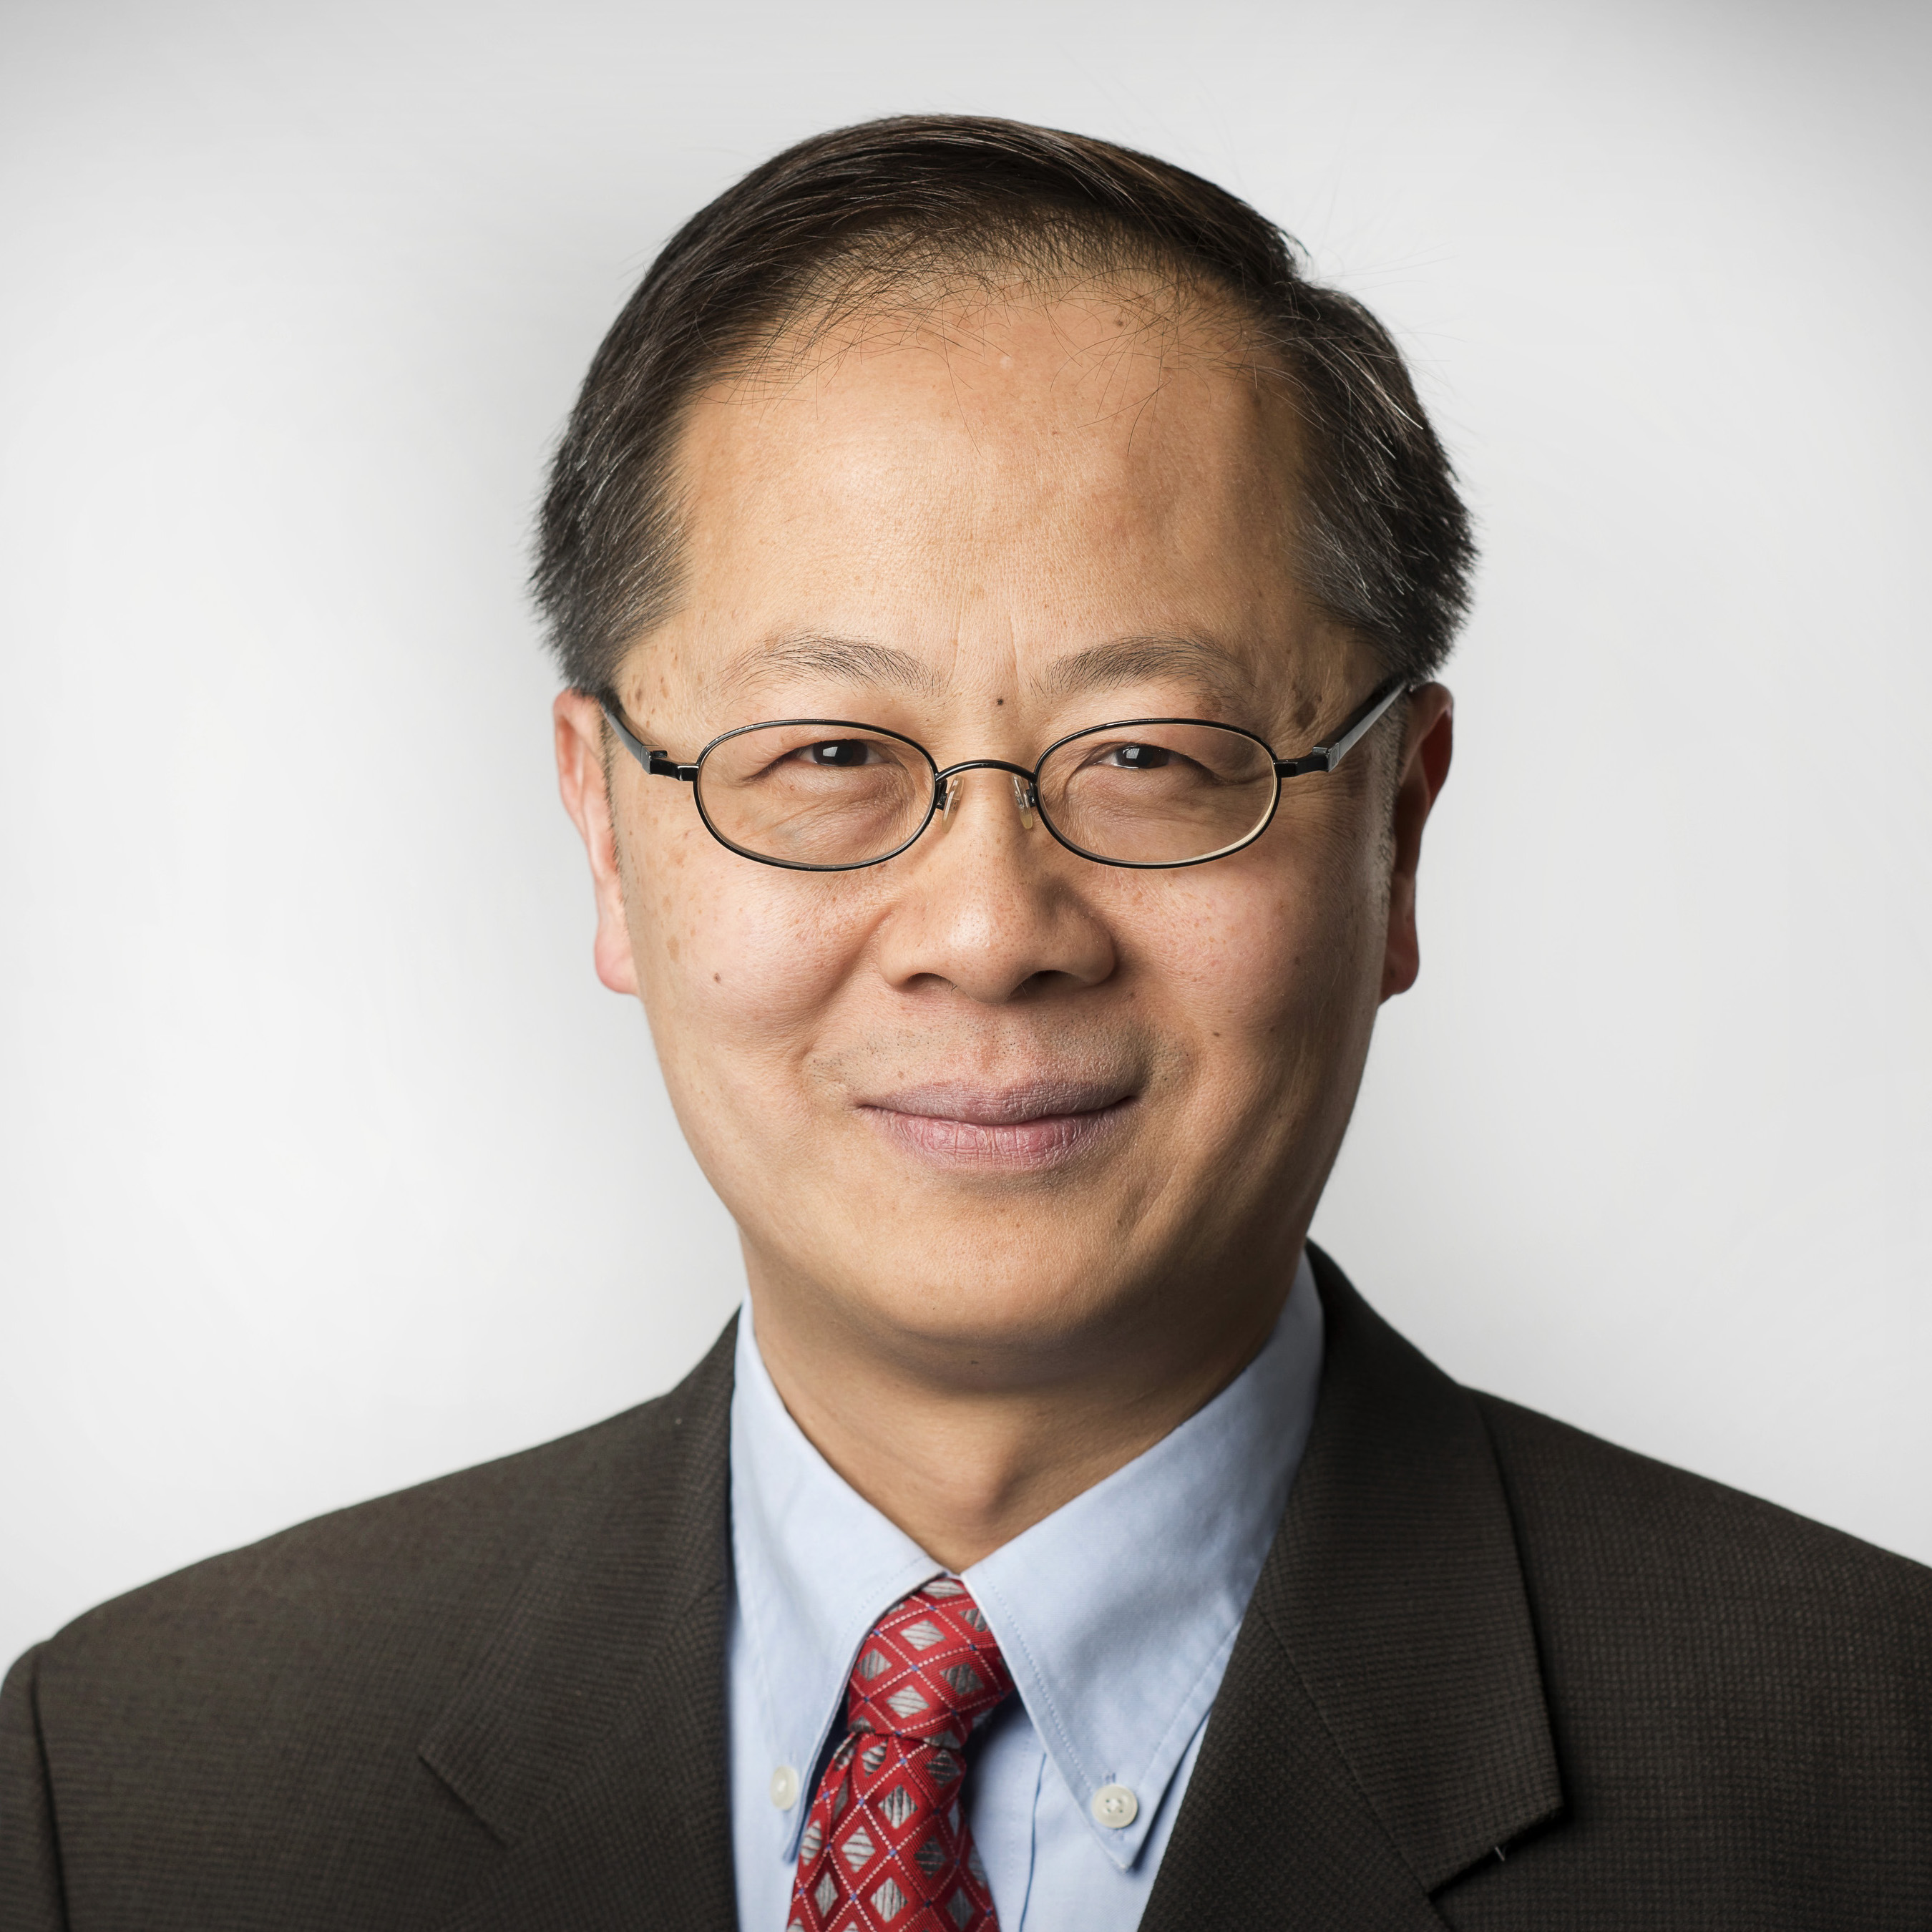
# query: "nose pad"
[[1023, 798]]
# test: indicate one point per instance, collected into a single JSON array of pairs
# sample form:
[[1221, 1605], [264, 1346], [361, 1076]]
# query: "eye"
[[838, 754], [1136, 757]]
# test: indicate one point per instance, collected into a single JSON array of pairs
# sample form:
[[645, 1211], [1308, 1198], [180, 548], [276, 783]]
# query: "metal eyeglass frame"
[[1325, 757]]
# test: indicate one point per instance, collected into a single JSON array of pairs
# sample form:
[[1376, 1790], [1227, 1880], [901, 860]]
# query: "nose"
[[951, 790], [987, 907]]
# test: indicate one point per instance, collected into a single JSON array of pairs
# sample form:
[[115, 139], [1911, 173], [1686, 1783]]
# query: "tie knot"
[[930, 1670]]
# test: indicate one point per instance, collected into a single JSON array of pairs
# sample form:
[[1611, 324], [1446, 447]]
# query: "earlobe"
[[582, 780], [1428, 744]]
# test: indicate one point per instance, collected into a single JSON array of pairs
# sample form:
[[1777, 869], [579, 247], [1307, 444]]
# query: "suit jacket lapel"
[[590, 1738], [1381, 1727]]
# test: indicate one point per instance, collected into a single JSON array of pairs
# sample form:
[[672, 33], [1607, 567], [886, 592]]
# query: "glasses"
[[829, 795]]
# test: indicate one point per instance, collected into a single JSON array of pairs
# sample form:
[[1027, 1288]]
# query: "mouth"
[[1021, 1129]]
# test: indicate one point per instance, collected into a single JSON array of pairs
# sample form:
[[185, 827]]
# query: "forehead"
[[1045, 488]]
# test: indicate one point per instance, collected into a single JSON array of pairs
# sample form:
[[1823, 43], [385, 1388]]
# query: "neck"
[[962, 1462]]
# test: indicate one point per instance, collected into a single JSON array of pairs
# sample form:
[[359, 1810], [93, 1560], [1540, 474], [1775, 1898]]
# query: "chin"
[[1014, 1301]]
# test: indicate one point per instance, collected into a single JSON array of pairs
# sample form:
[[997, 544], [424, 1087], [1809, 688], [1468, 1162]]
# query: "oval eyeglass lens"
[[1154, 794], [815, 794]]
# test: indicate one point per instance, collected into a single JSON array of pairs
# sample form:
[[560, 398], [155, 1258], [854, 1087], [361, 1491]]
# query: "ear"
[[1427, 741], [581, 778]]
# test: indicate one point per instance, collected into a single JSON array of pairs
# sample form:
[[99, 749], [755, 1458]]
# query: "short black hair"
[[1386, 547]]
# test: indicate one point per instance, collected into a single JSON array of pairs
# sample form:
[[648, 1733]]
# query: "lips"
[[1018, 1129]]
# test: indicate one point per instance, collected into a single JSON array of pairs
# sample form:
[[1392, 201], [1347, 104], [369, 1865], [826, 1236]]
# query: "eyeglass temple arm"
[[1326, 757], [659, 764]]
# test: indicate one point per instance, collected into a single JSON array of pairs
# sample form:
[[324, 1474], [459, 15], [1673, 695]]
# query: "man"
[[998, 597]]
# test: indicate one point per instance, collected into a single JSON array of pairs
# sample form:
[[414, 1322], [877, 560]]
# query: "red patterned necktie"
[[886, 1846]]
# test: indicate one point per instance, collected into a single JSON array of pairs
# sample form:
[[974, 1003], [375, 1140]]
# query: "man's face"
[[990, 1101]]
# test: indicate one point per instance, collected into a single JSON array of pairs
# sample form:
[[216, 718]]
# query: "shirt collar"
[[814, 1564], [1116, 1615]]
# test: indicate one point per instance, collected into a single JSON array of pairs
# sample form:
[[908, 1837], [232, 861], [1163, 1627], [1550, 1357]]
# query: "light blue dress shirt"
[[1116, 1615]]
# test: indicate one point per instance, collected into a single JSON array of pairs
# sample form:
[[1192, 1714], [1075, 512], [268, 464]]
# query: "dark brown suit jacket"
[[1496, 1674]]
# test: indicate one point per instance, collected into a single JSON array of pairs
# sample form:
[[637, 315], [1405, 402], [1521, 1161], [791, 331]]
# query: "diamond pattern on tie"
[[886, 1846]]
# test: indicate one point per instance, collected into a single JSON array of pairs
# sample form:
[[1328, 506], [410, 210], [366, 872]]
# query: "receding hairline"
[[870, 295]]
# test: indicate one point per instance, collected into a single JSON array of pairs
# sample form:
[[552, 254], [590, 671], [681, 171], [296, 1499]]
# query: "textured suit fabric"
[[1496, 1674], [462, 1706]]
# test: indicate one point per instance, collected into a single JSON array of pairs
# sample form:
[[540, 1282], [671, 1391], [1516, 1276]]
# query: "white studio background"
[[326, 1166]]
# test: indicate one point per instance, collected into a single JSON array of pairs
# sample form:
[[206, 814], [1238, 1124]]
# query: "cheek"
[[1264, 974], [1247, 955], [738, 961]]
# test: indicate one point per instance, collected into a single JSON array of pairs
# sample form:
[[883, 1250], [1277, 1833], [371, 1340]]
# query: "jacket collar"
[[1382, 1727], [590, 1736]]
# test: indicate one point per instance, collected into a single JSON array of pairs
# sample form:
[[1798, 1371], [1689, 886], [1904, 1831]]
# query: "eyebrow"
[[852, 661], [857, 662], [1134, 660]]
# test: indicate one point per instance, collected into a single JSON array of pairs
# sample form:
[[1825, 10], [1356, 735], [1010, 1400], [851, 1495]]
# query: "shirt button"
[[785, 1787], [1116, 1806]]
